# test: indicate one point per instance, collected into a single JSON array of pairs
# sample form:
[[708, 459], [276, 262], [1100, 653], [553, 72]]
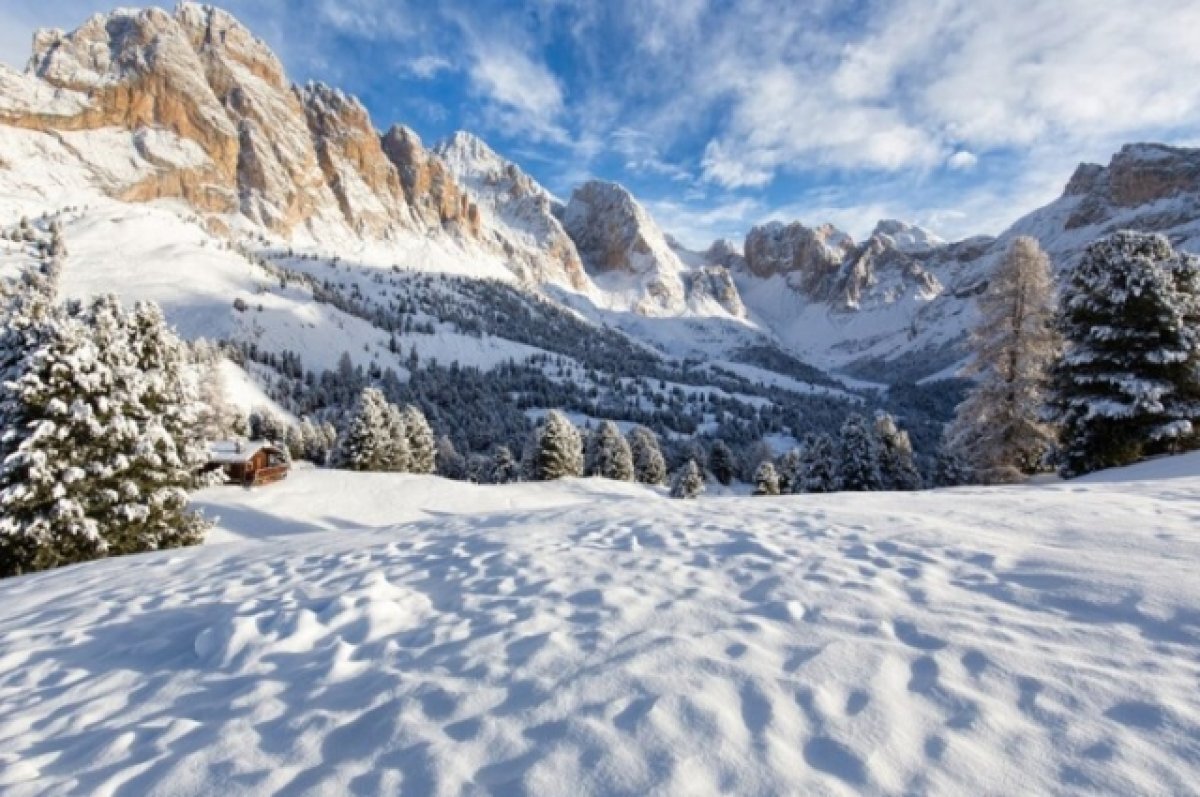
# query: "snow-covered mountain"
[[184, 126]]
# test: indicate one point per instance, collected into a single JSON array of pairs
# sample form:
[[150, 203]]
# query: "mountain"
[[183, 166], [520, 212]]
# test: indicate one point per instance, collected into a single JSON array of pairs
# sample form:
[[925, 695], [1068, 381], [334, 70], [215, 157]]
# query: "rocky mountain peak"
[[431, 190], [1138, 175], [520, 216], [809, 256], [906, 237], [614, 233]]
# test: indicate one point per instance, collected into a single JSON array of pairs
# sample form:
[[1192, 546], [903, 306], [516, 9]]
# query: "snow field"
[[588, 637]]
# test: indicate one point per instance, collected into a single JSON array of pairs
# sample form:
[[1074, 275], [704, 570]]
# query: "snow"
[[380, 633]]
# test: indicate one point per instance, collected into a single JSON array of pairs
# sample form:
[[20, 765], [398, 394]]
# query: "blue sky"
[[960, 115]]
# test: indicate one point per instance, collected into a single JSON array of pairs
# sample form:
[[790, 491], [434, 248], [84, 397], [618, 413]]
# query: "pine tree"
[[818, 468], [950, 469], [721, 462], [364, 444], [1128, 384], [505, 468], [688, 482], [557, 449], [858, 456], [170, 452], [791, 472], [397, 457], [102, 436], [609, 456], [896, 465], [450, 463], [766, 480], [648, 463], [999, 428], [422, 454]]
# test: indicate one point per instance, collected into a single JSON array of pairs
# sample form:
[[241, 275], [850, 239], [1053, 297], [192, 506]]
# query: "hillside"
[[359, 634]]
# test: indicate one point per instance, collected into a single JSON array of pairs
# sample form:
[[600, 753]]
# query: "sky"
[[958, 115]]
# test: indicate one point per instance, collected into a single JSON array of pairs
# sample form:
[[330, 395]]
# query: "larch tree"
[[1128, 384], [999, 429]]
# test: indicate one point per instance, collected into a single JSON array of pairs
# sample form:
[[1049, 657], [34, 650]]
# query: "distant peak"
[[906, 237]]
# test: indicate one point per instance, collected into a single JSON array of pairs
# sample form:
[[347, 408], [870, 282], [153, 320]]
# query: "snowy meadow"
[[346, 633]]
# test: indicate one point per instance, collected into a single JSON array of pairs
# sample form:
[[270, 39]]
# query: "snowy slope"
[[592, 638]]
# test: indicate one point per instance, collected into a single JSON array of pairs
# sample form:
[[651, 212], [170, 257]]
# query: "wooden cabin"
[[248, 463]]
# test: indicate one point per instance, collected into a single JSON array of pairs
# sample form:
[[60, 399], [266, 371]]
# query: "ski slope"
[[372, 634]]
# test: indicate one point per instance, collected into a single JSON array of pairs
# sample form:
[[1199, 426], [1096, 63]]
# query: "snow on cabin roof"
[[233, 451]]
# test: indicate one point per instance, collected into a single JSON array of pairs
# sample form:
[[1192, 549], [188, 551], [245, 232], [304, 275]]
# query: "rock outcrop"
[[1140, 175], [520, 214], [432, 192], [616, 237]]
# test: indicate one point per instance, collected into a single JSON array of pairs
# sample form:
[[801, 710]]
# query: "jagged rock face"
[[715, 283], [825, 265], [892, 269], [612, 231], [1140, 174], [528, 230], [810, 257], [281, 157], [138, 70], [365, 182], [723, 253], [432, 192], [616, 236]]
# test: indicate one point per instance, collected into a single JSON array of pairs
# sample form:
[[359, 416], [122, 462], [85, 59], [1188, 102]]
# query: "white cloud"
[[927, 81], [429, 66], [697, 227], [962, 160], [526, 96]]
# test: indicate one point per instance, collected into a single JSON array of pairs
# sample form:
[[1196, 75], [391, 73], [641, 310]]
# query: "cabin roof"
[[229, 452]]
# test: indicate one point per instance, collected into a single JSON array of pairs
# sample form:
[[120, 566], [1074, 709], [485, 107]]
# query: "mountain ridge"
[[149, 106]]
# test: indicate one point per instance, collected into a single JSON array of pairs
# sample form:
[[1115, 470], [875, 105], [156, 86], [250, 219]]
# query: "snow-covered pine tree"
[[688, 482], [790, 470], [818, 468], [364, 443], [858, 456], [609, 455], [505, 468], [396, 454], [97, 448], [896, 465], [721, 462], [648, 463], [265, 424], [766, 480], [170, 451], [450, 463], [557, 449], [950, 469], [999, 429], [422, 453], [1128, 384]]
